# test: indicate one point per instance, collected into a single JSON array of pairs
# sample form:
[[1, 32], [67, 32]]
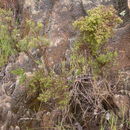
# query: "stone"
[[22, 59], [17, 128], [57, 17], [123, 103]]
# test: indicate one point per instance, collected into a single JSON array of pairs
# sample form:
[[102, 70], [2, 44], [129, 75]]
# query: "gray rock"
[[57, 17]]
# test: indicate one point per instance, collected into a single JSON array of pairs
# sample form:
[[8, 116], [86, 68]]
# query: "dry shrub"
[[87, 97], [92, 98]]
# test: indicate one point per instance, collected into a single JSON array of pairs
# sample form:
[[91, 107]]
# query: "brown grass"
[[92, 98]]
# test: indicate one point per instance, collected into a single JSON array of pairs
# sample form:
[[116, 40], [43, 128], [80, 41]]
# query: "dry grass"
[[92, 98]]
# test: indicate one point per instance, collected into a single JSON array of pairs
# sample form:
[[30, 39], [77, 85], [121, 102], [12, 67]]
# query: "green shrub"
[[51, 88], [33, 37], [19, 38], [6, 23], [95, 30], [21, 73], [16, 38]]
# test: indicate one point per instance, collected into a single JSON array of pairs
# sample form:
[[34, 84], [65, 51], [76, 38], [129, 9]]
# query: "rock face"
[[122, 5], [57, 17]]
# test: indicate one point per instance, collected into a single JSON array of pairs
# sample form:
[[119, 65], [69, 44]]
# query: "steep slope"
[[57, 17]]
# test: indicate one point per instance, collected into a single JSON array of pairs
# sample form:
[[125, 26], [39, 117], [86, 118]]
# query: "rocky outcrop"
[[57, 17], [122, 6]]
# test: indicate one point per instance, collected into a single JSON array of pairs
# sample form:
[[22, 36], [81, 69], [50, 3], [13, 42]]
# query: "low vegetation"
[[95, 30], [75, 91], [17, 38]]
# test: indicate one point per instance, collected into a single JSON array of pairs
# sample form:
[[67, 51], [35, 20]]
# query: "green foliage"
[[78, 63], [113, 122], [19, 38], [21, 73], [16, 38], [33, 37], [106, 58], [6, 22], [50, 87], [95, 30], [97, 27]]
